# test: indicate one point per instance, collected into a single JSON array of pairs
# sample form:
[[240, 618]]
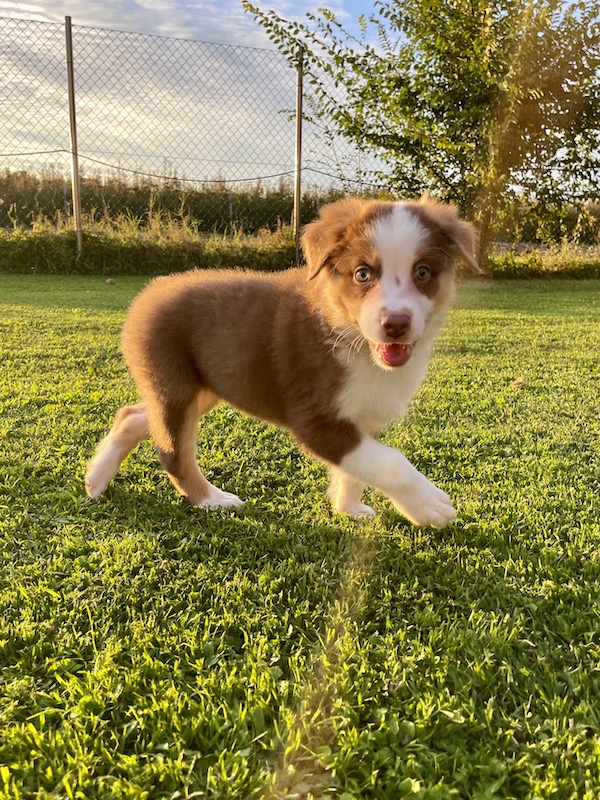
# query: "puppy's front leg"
[[388, 470], [345, 494]]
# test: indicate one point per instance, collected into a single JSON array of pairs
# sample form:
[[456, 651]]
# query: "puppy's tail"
[[128, 430]]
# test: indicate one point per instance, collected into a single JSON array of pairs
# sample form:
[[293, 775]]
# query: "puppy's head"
[[387, 270]]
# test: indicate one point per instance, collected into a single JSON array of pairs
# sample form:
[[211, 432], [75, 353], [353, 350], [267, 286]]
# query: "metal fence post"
[[74, 151], [298, 158]]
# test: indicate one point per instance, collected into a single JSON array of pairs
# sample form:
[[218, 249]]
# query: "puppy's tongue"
[[394, 355]]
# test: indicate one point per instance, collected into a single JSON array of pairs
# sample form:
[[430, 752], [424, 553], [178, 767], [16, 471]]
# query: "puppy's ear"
[[321, 238], [461, 233]]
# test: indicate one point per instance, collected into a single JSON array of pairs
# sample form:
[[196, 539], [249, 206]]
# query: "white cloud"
[[222, 21], [171, 105]]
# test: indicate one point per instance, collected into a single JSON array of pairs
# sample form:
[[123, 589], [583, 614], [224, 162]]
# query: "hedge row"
[[48, 252], [54, 252]]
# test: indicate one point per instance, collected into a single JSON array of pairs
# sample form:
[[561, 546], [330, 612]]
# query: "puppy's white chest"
[[371, 396]]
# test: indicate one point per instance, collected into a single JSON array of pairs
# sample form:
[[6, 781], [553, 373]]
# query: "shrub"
[[567, 261], [125, 250]]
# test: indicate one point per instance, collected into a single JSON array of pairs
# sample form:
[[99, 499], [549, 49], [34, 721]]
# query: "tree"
[[481, 103]]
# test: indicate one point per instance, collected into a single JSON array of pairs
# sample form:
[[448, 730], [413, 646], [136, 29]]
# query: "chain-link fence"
[[205, 130], [34, 121]]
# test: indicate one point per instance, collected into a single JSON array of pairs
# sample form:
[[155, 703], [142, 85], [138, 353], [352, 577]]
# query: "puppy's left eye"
[[422, 273], [363, 275]]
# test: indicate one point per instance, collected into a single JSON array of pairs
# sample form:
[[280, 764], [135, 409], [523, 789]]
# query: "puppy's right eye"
[[363, 275]]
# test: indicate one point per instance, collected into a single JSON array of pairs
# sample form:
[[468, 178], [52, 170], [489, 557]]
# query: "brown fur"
[[265, 343], [180, 342]]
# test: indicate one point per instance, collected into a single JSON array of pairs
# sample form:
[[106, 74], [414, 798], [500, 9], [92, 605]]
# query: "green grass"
[[153, 650]]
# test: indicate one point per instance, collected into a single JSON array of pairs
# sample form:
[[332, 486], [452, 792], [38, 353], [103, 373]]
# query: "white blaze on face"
[[399, 239]]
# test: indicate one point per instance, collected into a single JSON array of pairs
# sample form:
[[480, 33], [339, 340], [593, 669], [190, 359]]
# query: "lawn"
[[153, 650]]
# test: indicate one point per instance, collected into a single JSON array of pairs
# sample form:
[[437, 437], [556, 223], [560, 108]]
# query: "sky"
[[165, 107], [222, 21]]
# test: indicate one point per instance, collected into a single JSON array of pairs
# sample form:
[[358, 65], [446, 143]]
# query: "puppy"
[[332, 352]]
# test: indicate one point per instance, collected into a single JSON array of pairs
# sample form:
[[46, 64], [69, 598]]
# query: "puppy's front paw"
[[346, 496], [426, 505], [356, 509]]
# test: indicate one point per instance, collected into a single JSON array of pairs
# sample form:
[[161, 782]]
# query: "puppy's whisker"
[[342, 338], [355, 346]]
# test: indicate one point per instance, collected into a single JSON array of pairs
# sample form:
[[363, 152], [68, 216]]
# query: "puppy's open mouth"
[[392, 354]]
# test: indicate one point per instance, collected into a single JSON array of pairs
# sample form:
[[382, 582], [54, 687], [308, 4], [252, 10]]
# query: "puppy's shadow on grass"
[[267, 529]]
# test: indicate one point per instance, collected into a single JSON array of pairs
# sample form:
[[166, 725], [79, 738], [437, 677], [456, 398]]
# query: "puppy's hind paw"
[[100, 472], [219, 499]]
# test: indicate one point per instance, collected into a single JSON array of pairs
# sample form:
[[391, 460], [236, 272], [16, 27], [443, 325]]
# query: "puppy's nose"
[[396, 326]]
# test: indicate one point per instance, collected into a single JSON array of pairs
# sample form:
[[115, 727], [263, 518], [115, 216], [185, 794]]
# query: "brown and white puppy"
[[332, 352]]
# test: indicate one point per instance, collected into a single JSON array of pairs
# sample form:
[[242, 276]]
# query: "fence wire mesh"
[[206, 130], [34, 121]]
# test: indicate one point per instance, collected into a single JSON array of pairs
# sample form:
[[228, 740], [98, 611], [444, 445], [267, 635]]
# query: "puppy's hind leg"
[[128, 430], [174, 429]]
